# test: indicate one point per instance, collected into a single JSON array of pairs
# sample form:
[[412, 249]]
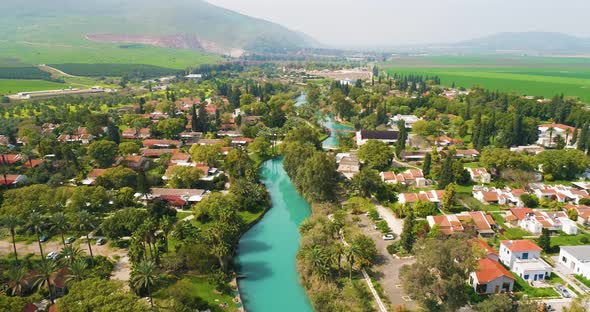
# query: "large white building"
[[524, 258], [576, 258], [549, 134]]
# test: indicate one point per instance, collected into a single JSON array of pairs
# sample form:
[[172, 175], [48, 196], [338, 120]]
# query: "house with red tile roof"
[[536, 220], [444, 141], [12, 179], [92, 176], [558, 192], [549, 134], [583, 212], [479, 175], [483, 223], [157, 152], [491, 278], [155, 143], [178, 197], [497, 196], [434, 196], [413, 177], [488, 251], [135, 162], [447, 224], [513, 250]]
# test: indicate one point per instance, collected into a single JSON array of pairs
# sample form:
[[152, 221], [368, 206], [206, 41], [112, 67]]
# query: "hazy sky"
[[399, 22]]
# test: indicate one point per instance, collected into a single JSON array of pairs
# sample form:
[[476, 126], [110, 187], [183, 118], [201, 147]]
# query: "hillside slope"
[[185, 24]]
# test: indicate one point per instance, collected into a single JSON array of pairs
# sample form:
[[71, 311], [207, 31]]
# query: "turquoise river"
[[267, 252]]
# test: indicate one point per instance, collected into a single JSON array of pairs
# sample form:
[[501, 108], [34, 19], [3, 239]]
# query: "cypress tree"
[[194, 119], [427, 164], [407, 237], [113, 133], [400, 145], [446, 175]]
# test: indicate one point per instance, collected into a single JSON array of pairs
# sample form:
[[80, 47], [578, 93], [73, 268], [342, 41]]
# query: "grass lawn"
[[568, 240], [195, 289], [521, 286], [509, 232], [583, 280]]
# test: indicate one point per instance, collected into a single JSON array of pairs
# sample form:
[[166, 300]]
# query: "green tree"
[[45, 271], [408, 237], [316, 180], [563, 164], [170, 127], [128, 148], [400, 145], [144, 276], [446, 174], [496, 303], [449, 197], [103, 152], [208, 154], [367, 181], [99, 295], [261, 147], [438, 276], [423, 208], [427, 164], [37, 224], [86, 224], [60, 224], [17, 280], [77, 271], [375, 154], [184, 177], [545, 240]]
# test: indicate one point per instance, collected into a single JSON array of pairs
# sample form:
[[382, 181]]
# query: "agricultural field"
[[10, 86], [536, 76], [114, 70]]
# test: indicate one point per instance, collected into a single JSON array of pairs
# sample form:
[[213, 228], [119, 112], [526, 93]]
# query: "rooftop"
[[581, 253]]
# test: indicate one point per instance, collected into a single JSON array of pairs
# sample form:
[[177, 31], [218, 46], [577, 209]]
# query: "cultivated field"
[[10, 86], [539, 76]]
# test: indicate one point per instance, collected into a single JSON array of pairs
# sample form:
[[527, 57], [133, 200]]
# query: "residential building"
[[81, 136], [482, 223], [409, 120], [12, 179], [532, 270], [512, 250], [491, 278], [560, 193], [178, 197], [135, 162], [495, 196], [535, 221], [479, 175], [431, 196], [10, 159], [92, 176], [444, 141], [388, 137], [414, 156], [467, 153], [548, 134], [348, 164], [413, 177], [155, 143], [583, 212], [528, 149], [487, 249], [576, 259]]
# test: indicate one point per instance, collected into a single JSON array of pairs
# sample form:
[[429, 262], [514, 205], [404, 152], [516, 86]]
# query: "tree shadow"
[[253, 246]]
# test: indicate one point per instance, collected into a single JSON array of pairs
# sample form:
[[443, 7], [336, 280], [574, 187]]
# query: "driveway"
[[386, 270], [566, 274], [395, 224]]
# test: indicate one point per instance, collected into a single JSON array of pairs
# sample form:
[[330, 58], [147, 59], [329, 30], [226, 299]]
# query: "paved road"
[[387, 268], [395, 224]]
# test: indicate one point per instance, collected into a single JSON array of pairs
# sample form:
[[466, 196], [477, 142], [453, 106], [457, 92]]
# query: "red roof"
[[33, 163], [520, 213], [490, 270], [150, 143], [557, 126], [30, 308], [487, 248], [521, 245], [10, 159]]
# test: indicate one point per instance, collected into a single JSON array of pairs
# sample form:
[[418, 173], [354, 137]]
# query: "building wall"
[[508, 257], [491, 286], [574, 264]]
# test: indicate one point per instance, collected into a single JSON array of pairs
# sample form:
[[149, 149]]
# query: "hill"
[[178, 24], [519, 42]]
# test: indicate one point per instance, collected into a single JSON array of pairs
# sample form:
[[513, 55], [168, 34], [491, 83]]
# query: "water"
[[267, 252], [334, 127]]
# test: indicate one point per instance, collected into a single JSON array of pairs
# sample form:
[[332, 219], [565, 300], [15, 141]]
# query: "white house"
[[512, 250], [413, 177], [576, 258], [348, 164], [491, 278], [431, 196], [409, 120], [480, 175], [496, 196], [535, 221], [548, 134], [532, 269]]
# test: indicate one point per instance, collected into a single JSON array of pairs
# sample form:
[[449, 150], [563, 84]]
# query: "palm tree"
[[352, 253], [27, 155], [568, 131], [167, 224], [17, 280], [77, 271], [60, 224], [144, 276], [69, 254], [320, 264], [37, 223], [86, 224], [45, 270], [4, 163], [551, 129], [11, 222]]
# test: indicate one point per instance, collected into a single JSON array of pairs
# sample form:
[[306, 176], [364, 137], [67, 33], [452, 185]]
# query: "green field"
[[10, 86], [536, 76]]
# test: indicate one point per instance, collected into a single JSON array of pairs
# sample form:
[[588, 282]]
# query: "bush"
[[530, 201], [393, 248], [383, 227], [374, 215], [584, 240]]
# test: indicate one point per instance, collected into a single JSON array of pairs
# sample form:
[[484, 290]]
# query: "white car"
[[388, 237], [52, 255]]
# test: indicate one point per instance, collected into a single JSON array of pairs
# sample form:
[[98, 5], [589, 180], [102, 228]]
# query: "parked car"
[[101, 241], [388, 237], [43, 238], [563, 291], [53, 255], [70, 240]]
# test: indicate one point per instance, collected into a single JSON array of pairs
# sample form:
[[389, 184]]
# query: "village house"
[[486, 248], [491, 278], [177, 197], [583, 213], [155, 153], [482, 223], [524, 258], [81, 136], [387, 137], [10, 159], [431, 196], [132, 133], [576, 259], [413, 177], [136, 162], [444, 141], [479, 175], [466, 154], [210, 142], [528, 149], [179, 158], [409, 120], [92, 176], [548, 134], [560, 193], [535, 221], [12, 179], [348, 164], [155, 143], [414, 156], [495, 196]]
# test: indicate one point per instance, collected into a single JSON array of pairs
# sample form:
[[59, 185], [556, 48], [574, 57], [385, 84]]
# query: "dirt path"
[[54, 71]]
